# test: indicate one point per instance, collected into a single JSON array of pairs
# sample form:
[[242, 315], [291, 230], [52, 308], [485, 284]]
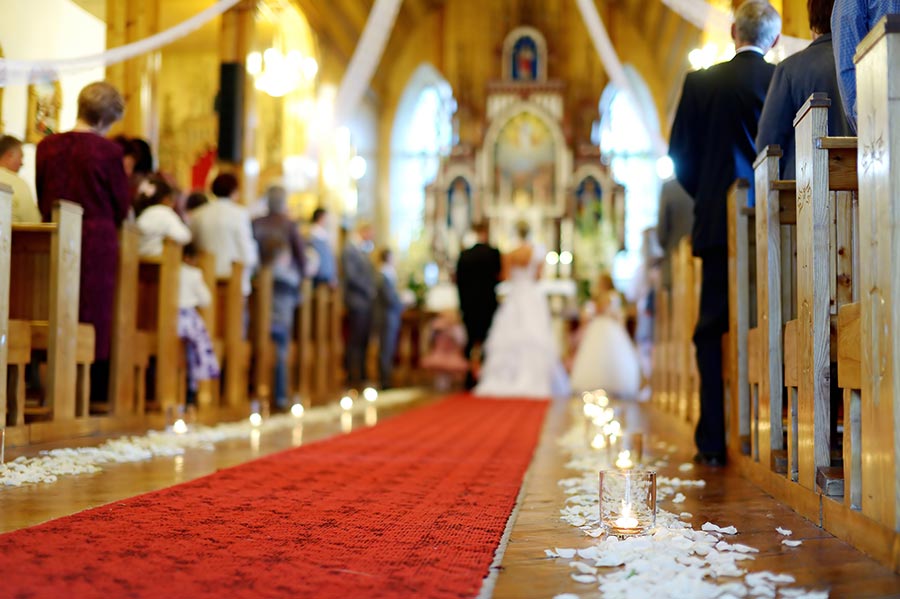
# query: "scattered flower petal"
[[710, 527], [686, 467], [790, 543], [784, 531]]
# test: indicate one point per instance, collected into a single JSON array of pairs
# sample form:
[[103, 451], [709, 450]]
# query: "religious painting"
[[588, 205], [44, 101], [525, 164], [524, 65], [459, 207]]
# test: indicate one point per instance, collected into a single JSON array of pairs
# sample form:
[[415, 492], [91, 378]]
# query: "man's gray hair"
[[276, 196], [757, 23]]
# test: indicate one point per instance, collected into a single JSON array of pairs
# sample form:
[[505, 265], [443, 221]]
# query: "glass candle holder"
[[627, 501]]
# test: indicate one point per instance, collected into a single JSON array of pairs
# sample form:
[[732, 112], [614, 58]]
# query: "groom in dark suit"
[[477, 275], [712, 144]]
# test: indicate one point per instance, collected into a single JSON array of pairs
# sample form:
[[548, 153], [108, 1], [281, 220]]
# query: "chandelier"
[[278, 73]]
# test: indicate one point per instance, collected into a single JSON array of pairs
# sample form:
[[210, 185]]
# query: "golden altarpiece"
[[527, 168]]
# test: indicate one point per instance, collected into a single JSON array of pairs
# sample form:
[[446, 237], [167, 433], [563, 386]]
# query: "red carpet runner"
[[414, 507]]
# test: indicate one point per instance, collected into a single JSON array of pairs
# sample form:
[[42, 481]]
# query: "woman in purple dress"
[[84, 167]]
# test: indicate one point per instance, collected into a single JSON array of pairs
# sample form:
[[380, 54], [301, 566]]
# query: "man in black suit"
[[712, 144], [477, 275]]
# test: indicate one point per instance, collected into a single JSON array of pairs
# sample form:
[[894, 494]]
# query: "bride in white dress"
[[521, 355]]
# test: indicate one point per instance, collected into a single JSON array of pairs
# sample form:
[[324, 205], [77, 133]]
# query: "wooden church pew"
[[826, 178], [230, 306], [301, 346], [740, 363], [157, 325], [43, 291], [209, 392], [11, 384], [126, 376], [260, 335], [873, 522]]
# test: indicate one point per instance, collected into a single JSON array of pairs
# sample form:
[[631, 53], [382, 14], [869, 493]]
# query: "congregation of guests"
[[114, 180]]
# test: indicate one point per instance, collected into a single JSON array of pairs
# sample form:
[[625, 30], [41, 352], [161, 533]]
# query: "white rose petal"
[[565, 553], [791, 543], [784, 531], [584, 578], [679, 498], [686, 467]]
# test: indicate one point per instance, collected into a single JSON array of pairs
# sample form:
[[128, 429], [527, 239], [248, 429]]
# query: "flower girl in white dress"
[[521, 356], [606, 357]]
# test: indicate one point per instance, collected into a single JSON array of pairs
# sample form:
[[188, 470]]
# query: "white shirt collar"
[[756, 49]]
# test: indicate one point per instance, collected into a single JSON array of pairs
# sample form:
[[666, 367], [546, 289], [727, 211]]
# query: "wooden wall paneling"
[[878, 104], [122, 372], [814, 216], [739, 315]]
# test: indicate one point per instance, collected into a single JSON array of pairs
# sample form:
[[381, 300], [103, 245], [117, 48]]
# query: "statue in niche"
[[525, 59], [588, 205], [459, 207]]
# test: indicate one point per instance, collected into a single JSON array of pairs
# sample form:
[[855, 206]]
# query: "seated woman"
[[606, 357]]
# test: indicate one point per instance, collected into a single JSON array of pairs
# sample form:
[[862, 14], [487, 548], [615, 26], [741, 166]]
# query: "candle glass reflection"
[[633, 443], [627, 501]]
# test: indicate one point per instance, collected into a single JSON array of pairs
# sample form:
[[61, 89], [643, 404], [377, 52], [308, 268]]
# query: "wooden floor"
[[822, 562], [32, 504]]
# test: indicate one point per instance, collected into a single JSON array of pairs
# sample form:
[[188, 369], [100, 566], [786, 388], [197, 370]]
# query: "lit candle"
[[347, 402], [297, 410], [626, 521], [370, 394], [255, 419], [624, 460], [598, 442], [179, 427]]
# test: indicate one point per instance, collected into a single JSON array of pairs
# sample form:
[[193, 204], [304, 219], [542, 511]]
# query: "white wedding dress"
[[606, 357], [521, 356]]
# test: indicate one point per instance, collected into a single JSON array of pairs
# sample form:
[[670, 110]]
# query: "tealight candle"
[[627, 501], [623, 461], [255, 419], [297, 410], [179, 427], [347, 402], [370, 394]]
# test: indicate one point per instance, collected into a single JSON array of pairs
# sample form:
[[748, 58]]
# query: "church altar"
[[527, 168]]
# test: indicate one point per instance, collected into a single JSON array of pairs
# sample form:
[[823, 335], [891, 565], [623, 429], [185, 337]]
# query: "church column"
[[795, 18], [382, 205], [128, 21], [235, 99]]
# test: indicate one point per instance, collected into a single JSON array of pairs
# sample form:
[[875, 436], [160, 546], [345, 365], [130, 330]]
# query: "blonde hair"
[[523, 229], [100, 104]]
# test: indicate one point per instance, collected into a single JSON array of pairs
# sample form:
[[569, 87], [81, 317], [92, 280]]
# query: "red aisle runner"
[[414, 507]]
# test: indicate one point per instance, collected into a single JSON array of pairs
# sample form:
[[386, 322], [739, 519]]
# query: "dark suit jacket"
[[795, 80], [676, 217], [477, 274], [712, 141], [360, 287]]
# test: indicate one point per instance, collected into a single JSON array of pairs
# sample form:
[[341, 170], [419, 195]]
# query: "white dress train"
[[521, 356], [607, 358]]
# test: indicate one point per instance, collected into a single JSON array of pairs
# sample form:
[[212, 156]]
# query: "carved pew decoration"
[[878, 85], [44, 290]]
